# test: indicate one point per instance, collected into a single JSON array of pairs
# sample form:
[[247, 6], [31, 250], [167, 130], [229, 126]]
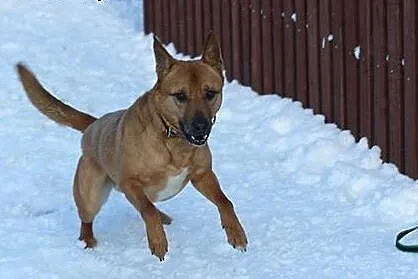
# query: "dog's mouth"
[[197, 140], [196, 136]]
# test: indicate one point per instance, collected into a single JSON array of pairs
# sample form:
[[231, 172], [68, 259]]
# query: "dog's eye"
[[210, 94], [180, 96]]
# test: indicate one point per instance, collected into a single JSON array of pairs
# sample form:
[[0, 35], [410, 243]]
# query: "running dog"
[[152, 149]]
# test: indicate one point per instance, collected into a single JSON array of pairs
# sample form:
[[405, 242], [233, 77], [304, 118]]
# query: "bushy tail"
[[51, 106]]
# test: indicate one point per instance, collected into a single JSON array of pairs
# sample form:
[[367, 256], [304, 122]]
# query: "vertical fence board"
[[190, 26], [351, 84], [148, 14], [336, 44], [216, 20], [236, 54], [366, 84], [301, 52], [266, 32], [174, 23], [181, 31], [394, 73], [165, 22], [207, 18], [245, 42], [226, 38], [199, 35], [410, 88], [158, 20], [278, 43], [256, 45], [289, 50], [380, 82], [313, 55], [325, 59]]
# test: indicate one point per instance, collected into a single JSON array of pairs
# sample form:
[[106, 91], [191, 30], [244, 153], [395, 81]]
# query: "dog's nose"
[[200, 126]]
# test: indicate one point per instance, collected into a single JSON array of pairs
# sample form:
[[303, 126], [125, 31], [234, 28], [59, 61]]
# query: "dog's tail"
[[51, 106]]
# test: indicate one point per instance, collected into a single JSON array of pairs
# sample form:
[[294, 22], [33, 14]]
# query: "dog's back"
[[101, 139]]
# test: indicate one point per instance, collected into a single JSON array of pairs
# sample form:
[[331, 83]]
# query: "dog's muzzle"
[[197, 130]]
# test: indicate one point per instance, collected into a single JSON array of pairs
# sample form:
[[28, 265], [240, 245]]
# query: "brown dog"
[[153, 148]]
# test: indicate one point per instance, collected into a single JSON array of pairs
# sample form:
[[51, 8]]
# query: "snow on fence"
[[355, 61]]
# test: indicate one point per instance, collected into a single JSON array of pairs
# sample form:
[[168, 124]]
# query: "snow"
[[294, 17], [315, 203], [357, 51], [330, 37]]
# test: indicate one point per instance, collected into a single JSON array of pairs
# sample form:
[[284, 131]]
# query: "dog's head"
[[189, 93]]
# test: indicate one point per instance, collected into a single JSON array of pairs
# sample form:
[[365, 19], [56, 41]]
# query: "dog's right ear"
[[212, 53], [163, 59]]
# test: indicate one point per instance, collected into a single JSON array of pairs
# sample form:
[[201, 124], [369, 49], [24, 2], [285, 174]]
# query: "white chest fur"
[[174, 185]]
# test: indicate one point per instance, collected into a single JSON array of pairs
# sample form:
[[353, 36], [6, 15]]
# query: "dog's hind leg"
[[91, 190]]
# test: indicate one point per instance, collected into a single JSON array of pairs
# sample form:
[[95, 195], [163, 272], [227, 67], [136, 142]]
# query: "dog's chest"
[[173, 186]]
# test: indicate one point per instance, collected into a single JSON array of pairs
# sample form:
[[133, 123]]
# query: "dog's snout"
[[197, 129], [200, 126]]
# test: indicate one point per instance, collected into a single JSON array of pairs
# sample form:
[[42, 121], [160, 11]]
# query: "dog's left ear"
[[163, 59], [212, 54]]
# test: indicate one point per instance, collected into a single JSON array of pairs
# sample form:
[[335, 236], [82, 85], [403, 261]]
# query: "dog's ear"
[[163, 59], [212, 54]]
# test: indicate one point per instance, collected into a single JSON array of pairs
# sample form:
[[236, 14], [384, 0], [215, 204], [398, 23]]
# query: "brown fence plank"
[[245, 42], [366, 68], [380, 82], [278, 43], [325, 60], [174, 22], [226, 38], [235, 40], [158, 20], [338, 61], [198, 27], [267, 46], [217, 20], [207, 18], [351, 84], [313, 55], [256, 46], [190, 26], [301, 52], [165, 22], [181, 31], [410, 87], [148, 16], [394, 73], [289, 50]]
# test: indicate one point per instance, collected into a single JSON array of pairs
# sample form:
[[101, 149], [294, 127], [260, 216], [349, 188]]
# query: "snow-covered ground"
[[315, 204]]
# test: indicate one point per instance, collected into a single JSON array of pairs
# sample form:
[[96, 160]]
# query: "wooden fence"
[[355, 61]]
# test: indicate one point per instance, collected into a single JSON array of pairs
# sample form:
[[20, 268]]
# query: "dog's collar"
[[170, 130]]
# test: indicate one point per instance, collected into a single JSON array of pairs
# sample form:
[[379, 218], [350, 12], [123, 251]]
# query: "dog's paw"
[[159, 248], [236, 236], [90, 242], [158, 244]]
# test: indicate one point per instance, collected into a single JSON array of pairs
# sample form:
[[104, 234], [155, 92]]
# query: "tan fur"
[[51, 106], [131, 148]]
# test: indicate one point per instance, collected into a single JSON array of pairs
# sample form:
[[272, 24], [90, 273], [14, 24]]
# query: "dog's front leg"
[[207, 184], [157, 240]]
